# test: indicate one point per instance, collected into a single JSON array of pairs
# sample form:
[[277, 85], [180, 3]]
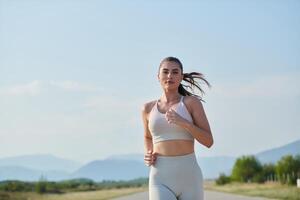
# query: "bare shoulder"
[[193, 104], [147, 107], [192, 101]]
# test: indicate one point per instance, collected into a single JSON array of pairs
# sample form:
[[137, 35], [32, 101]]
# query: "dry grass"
[[90, 195], [268, 190]]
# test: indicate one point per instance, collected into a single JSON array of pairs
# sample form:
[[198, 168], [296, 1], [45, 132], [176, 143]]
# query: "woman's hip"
[[181, 168]]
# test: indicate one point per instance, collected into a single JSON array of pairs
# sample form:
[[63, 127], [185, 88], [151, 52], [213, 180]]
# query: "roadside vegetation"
[[69, 189], [250, 177]]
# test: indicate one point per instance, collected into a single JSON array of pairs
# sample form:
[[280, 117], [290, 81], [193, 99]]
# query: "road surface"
[[208, 195]]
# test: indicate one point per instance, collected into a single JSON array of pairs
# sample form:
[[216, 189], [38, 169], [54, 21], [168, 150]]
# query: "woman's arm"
[[200, 129], [149, 156]]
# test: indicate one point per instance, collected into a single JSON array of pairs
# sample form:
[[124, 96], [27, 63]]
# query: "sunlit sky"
[[74, 74]]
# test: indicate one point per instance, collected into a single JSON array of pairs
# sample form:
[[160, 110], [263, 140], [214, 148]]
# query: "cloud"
[[106, 102], [269, 86], [33, 88], [121, 109], [69, 85]]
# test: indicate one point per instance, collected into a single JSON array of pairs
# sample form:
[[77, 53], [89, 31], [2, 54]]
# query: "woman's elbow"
[[210, 142]]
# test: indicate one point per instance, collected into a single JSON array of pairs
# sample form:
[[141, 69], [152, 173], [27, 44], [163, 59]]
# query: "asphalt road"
[[208, 195]]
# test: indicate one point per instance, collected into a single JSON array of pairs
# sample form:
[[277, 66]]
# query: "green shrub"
[[246, 169], [223, 179], [288, 169], [41, 186]]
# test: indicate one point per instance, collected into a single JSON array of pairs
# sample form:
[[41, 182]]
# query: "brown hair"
[[189, 78]]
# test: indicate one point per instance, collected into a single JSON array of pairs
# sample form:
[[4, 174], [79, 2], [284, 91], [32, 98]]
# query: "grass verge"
[[267, 190], [89, 195]]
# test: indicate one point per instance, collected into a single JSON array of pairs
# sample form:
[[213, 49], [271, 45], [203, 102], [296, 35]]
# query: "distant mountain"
[[131, 166], [111, 169], [26, 174], [43, 162], [211, 167], [273, 155], [118, 167], [136, 157]]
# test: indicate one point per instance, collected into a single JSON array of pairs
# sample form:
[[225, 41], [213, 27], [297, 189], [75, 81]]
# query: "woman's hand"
[[173, 117], [150, 158]]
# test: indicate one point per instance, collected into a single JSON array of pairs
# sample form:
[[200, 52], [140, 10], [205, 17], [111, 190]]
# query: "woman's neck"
[[170, 97]]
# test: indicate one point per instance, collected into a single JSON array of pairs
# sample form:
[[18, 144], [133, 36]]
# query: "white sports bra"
[[161, 130]]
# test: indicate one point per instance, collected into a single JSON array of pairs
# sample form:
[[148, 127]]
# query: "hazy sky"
[[74, 74]]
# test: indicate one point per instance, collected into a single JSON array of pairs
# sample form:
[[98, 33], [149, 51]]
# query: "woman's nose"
[[169, 75]]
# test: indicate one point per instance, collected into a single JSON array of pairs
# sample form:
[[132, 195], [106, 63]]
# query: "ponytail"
[[190, 78]]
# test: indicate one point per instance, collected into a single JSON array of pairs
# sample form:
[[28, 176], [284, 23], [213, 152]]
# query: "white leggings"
[[176, 178]]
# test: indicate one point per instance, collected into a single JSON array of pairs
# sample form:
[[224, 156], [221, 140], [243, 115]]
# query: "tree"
[[288, 168], [268, 172], [41, 185], [246, 169]]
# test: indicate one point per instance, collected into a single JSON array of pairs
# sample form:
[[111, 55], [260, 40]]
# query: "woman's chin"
[[170, 87]]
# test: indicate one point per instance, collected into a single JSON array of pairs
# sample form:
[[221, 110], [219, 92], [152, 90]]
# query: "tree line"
[[250, 169], [43, 186]]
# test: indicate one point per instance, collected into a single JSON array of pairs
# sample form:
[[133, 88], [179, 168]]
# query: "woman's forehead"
[[170, 65]]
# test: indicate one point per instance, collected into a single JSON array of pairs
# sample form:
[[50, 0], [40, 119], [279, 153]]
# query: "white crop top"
[[161, 130]]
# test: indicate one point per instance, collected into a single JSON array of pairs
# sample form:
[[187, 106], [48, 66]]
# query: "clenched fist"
[[150, 158]]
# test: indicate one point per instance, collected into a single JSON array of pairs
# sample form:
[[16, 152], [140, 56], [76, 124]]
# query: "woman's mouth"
[[170, 82]]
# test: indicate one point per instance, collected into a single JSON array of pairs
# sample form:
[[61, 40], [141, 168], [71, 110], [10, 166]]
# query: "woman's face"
[[170, 75]]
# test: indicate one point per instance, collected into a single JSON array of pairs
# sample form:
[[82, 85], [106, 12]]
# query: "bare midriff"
[[174, 147]]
